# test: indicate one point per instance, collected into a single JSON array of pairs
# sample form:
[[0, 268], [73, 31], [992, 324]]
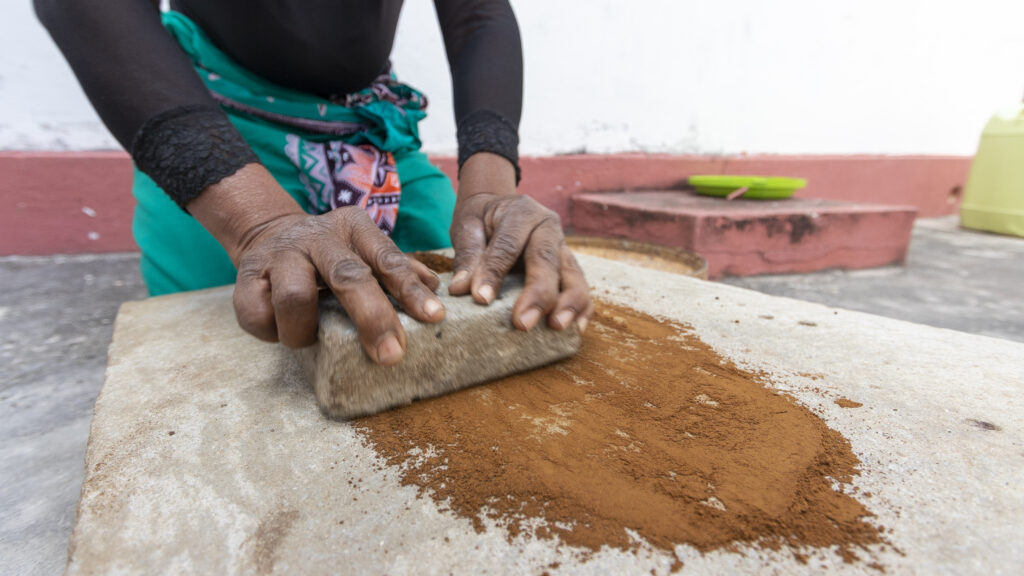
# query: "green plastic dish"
[[759, 187]]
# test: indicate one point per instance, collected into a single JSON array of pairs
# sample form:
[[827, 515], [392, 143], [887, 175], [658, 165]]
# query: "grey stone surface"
[[55, 324], [473, 344], [211, 458], [56, 317], [954, 278]]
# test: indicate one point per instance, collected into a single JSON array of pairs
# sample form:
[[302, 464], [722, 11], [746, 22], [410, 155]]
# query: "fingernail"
[[563, 318], [432, 308], [529, 318], [460, 276], [486, 292], [581, 324], [389, 351]]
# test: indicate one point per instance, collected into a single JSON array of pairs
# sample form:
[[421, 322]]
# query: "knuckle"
[[505, 249], [516, 207], [346, 213], [348, 271], [528, 205], [545, 296], [293, 297], [255, 323], [409, 289], [374, 318], [350, 217], [465, 234], [461, 221], [244, 317], [505, 244], [547, 254], [522, 203], [251, 266], [390, 261], [548, 216]]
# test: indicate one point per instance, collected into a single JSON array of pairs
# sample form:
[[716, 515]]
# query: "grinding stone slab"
[[473, 344], [254, 479]]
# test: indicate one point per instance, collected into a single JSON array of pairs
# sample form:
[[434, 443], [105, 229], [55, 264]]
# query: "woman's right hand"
[[283, 254]]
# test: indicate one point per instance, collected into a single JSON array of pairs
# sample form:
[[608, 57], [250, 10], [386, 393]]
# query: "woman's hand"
[[493, 228], [283, 253]]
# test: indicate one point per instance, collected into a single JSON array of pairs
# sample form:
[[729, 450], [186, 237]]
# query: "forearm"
[[485, 57], [145, 90], [128, 65]]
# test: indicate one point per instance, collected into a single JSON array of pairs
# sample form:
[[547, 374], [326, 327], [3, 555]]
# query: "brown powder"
[[847, 403], [436, 262], [646, 429]]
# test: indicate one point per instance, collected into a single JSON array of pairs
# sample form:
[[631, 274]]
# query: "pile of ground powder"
[[437, 262], [646, 429]]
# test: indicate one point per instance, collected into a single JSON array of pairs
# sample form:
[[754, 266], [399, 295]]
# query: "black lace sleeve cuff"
[[488, 131], [186, 149]]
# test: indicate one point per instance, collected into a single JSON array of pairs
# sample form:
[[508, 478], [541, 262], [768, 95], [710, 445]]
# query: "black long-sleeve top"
[[146, 92]]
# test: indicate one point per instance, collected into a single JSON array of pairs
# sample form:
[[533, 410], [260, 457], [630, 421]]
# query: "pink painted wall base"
[[65, 203], [80, 202]]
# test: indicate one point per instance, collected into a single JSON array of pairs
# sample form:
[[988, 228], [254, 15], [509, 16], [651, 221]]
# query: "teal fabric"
[[392, 128], [179, 254]]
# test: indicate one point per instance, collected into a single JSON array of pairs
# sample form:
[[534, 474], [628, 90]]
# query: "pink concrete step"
[[748, 237]]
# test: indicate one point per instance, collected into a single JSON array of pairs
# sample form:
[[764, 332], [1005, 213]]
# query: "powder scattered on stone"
[[647, 429], [847, 403]]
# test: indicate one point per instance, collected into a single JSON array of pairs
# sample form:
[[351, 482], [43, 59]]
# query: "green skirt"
[[179, 254]]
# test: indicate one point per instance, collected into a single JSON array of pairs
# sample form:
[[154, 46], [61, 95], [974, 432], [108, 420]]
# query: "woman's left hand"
[[493, 228]]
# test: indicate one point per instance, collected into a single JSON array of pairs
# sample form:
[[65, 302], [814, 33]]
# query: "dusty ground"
[[56, 316]]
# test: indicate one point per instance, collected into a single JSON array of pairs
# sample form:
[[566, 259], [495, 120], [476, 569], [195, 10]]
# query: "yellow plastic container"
[[994, 195]]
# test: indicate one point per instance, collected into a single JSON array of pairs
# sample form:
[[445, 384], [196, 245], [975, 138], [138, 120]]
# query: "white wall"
[[687, 76]]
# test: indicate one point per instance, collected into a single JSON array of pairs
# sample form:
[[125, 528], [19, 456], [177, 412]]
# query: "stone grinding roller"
[[472, 345]]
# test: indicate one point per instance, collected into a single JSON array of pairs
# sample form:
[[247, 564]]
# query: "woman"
[[275, 148]]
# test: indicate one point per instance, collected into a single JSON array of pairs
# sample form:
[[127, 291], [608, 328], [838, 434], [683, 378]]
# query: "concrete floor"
[[55, 325], [56, 317], [967, 281]]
